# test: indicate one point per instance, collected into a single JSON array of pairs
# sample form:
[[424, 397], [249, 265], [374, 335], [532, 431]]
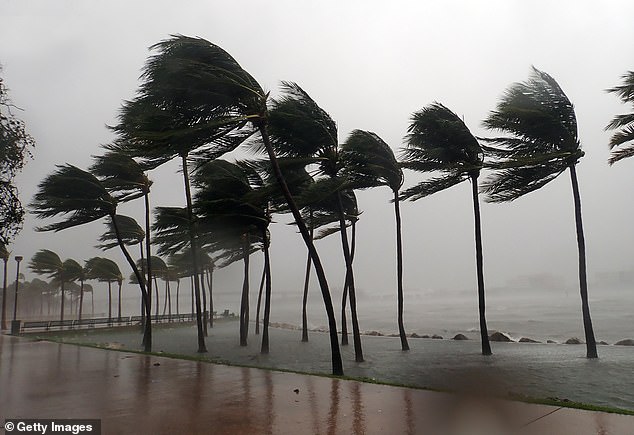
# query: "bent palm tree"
[[79, 198], [438, 141], [370, 162], [105, 270], [47, 262], [624, 137], [196, 96], [542, 142]]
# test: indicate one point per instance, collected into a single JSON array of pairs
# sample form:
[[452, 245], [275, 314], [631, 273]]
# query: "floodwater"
[[534, 370], [143, 394]]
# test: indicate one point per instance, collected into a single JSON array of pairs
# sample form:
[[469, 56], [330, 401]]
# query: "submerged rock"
[[414, 335], [436, 337], [528, 340], [573, 340], [603, 343], [498, 336], [374, 333], [424, 336], [460, 337], [626, 342], [551, 342]]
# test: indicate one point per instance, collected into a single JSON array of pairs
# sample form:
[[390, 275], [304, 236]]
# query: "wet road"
[[139, 394]]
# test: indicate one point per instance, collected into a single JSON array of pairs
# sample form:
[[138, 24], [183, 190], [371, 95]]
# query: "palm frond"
[[621, 154], [131, 233], [431, 186], [625, 91], [46, 262]]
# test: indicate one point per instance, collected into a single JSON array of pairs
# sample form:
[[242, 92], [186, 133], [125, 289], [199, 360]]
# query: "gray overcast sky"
[[370, 64]]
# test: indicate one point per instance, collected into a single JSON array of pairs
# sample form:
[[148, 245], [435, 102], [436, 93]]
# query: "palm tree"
[[438, 141], [196, 96], [47, 262], [229, 203], [302, 129], [624, 137], [4, 255], [106, 270], [370, 162], [126, 180], [542, 142], [79, 198]]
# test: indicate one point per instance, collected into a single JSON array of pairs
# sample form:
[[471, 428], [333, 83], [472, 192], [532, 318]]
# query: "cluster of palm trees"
[[196, 103]]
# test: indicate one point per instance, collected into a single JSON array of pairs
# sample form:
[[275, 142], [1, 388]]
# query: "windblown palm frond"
[[624, 136], [194, 95], [4, 252], [46, 262], [370, 162], [130, 231], [75, 195], [542, 138], [103, 269], [439, 141], [121, 175]]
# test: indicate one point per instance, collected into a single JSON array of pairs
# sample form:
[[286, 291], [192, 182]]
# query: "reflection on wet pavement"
[[141, 394]]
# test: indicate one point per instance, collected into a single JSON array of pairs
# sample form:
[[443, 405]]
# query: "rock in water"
[[551, 342], [460, 337], [436, 337], [626, 342], [574, 340], [498, 336], [528, 340], [603, 343]]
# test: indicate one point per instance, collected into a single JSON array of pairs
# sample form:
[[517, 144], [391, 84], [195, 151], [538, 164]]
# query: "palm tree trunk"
[[191, 293], [337, 364], [244, 302], [306, 285], [210, 281], [267, 298], [178, 289], [169, 300], [147, 336], [203, 291], [484, 334], [109, 304], [194, 248], [92, 303], [62, 309], [119, 307], [165, 300], [591, 344], [257, 308], [158, 298], [399, 272], [4, 297], [356, 336], [81, 298], [142, 274]]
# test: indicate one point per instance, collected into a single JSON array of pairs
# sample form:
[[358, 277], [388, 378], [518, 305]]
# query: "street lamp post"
[[15, 324]]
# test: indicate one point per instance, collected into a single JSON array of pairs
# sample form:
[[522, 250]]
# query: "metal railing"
[[103, 322]]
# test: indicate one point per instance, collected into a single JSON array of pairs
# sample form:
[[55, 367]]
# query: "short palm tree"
[[196, 96], [370, 162], [79, 198], [438, 141], [105, 270], [623, 138], [541, 142], [47, 262], [4, 255]]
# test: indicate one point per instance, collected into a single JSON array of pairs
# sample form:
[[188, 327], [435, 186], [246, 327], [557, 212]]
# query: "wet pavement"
[[142, 394]]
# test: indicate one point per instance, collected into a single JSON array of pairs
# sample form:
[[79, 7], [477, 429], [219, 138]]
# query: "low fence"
[[103, 322]]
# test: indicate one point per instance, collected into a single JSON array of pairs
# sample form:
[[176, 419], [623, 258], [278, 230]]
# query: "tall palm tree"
[[370, 162], [126, 180], [438, 141], [79, 198], [623, 138], [541, 142], [196, 96], [4, 255], [302, 129]]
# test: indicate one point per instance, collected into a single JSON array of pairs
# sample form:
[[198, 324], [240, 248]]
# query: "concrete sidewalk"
[[139, 394]]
